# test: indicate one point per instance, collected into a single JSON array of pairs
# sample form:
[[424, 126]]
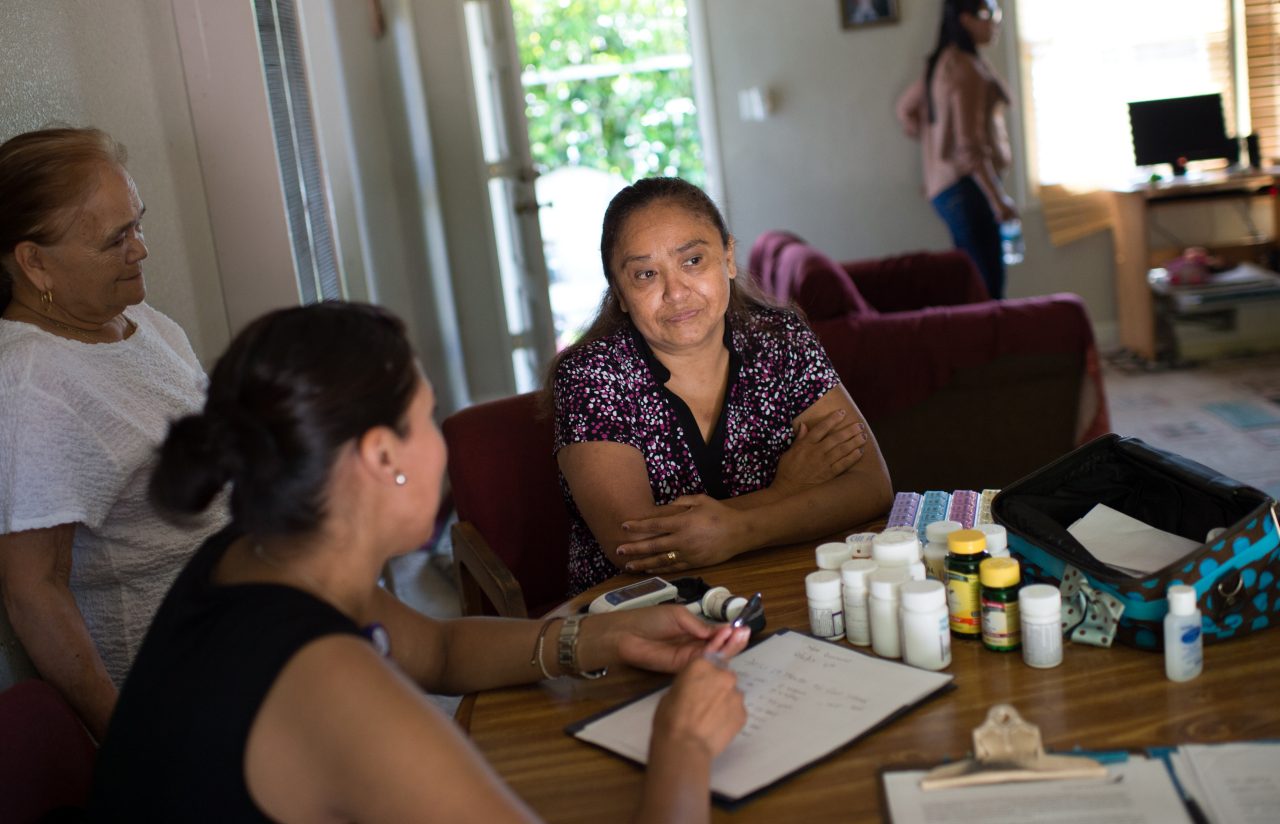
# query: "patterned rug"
[[1224, 414]]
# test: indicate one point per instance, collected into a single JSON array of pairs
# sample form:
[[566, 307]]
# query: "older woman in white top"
[[90, 377]]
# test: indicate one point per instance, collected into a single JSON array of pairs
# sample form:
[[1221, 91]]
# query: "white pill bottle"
[[882, 608], [826, 608], [926, 631], [856, 592], [1040, 609]]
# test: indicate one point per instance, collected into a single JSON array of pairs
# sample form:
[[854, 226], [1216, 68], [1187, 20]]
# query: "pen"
[[748, 613]]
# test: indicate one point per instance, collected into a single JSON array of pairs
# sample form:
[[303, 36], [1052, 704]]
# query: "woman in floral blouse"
[[694, 421]]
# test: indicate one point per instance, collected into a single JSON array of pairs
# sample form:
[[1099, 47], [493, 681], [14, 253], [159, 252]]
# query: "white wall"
[[116, 66], [831, 163]]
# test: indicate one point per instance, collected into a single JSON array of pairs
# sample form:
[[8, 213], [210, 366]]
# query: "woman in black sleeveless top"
[[280, 682]]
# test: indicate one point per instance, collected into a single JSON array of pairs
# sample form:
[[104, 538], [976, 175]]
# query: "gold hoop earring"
[[46, 301]]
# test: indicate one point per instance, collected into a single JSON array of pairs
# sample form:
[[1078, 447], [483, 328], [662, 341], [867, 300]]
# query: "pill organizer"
[[984, 507], [917, 511], [933, 507], [963, 507], [906, 506]]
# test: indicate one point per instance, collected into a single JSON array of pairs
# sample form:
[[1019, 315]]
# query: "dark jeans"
[[974, 230]]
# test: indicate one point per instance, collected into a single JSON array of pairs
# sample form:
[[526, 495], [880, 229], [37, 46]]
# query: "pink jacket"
[[968, 135]]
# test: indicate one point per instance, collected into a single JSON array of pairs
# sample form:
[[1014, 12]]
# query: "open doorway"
[[608, 92], [596, 94]]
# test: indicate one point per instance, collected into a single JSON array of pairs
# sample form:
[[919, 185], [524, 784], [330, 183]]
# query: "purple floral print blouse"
[[614, 389]]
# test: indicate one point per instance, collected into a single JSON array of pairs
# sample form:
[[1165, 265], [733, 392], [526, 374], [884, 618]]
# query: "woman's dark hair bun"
[[293, 387], [196, 460]]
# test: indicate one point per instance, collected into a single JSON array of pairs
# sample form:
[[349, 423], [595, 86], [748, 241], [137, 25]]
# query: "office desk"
[[1098, 698], [1138, 249]]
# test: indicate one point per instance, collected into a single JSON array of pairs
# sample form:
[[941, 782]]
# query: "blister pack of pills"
[[933, 507], [906, 506]]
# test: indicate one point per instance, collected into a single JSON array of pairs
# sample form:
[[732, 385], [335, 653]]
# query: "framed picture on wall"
[[855, 14]]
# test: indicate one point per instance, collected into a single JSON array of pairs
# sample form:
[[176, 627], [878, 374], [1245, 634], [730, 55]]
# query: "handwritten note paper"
[[805, 698]]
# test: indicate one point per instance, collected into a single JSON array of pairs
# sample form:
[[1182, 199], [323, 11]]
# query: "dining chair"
[[46, 756], [511, 541]]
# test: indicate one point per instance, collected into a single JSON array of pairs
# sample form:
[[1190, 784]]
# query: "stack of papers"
[[1231, 782], [1127, 544]]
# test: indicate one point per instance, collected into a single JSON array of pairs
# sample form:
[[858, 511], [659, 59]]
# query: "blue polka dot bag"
[[1234, 574]]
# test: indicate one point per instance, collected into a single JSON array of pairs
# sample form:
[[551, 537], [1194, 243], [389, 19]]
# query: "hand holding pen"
[[694, 722], [704, 703], [664, 638]]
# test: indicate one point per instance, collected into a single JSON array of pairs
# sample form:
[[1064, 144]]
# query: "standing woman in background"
[[956, 111]]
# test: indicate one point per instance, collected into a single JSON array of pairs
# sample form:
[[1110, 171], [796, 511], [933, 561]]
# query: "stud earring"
[[401, 480], [46, 300]]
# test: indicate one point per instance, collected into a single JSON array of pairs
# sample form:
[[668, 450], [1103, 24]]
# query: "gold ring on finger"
[[671, 556]]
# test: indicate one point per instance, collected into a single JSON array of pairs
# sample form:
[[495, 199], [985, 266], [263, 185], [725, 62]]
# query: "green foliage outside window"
[[608, 86]]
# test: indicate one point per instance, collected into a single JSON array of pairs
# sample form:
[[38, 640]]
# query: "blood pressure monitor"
[[640, 594]]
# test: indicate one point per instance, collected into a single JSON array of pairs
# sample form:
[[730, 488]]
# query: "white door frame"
[[704, 98], [509, 164], [232, 124]]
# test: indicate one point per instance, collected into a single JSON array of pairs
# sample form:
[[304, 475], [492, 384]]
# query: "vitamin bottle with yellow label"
[[1001, 629], [966, 550]]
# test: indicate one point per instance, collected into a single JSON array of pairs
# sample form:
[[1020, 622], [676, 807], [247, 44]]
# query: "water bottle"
[[1011, 242]]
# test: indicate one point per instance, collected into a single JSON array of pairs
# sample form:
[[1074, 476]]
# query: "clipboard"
[[1011, 779], [928, 685], [1007, 748]]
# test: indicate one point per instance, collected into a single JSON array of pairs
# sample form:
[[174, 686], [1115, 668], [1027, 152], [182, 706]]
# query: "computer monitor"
[[1180, 129]]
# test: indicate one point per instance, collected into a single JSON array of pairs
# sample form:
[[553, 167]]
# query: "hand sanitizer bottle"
[[1183, 650]]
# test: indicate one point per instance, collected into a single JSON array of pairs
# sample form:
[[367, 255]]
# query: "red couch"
[[962, 392]]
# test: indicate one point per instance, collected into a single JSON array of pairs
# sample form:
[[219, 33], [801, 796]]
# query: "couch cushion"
[[964, 397], [763, 261], [818, 284], [905, 283], [889, 362]]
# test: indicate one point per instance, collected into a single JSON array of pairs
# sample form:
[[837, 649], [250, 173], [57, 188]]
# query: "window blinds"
[[1262, 44], [301, 174], [1082, 64]]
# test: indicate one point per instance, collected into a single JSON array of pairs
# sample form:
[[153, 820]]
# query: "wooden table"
[[1097, 699]]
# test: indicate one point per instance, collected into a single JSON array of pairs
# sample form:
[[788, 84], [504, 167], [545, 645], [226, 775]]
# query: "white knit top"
[[80, 425]]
